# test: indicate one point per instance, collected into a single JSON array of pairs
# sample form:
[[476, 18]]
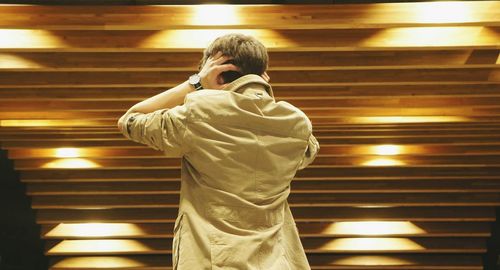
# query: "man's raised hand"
[[210, 73]]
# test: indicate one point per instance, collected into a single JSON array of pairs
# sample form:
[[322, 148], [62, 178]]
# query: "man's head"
[[249, 54]]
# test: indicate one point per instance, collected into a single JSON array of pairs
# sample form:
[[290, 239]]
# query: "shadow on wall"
[[20, 245], [491, 258]]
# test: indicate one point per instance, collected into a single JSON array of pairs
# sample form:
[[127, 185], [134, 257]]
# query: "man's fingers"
[[222, 59], [211, 58], [216, 56], [218, 59], [266, 77], [227, 67]]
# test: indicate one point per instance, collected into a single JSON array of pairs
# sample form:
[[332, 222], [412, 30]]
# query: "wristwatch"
[[195, 81]]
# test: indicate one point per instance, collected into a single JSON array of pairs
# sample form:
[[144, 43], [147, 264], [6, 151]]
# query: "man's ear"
[[220, 79]]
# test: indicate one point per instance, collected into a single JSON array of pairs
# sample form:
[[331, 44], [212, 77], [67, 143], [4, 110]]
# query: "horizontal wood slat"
[[318, 261], [323, 113], [332, 186], [306, 229], [332, 150], [319, 214], [377, 15], [471, 139], [119, 78], [311, 245], [332, 161], [282, 91], [292, 60], [295, 199], [113, 133], [310, 172], [390, 102], [423, 78], [193, 40]]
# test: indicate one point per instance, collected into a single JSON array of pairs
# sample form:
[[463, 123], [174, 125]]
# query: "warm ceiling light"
[[29, 38], [95, 230], [372, 260], [69, 163], [386, 149], [373, 206], [408, 119], [443, 12], [215, 15], [44, 123], [92, 246], [372, 228], [67, 152], [99, 262], [430, 36], [201, 38], [8, 60], [371, 243], [383, 162]]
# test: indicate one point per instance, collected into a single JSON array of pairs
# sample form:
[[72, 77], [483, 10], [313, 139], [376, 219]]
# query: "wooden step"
[[311, 245], [360, 179], [320, 160], [156, 78], [294, 60], [396, 261], [317, 261], [316, 120], [9, 129], [13, 66], [320, 135], [313, 171], [115, 134], [382, 15], [336, 149], [318, 213], [307, 104], [103, 113], [109, 188], [302, 186], [123, 142], [472, 37], [306, 229], [408, 127], [281, 91], [295, 199], [320, 126], [313, 112]]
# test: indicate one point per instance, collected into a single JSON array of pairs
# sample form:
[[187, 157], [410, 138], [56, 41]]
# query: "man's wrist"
[[195, 81], [190, 87]]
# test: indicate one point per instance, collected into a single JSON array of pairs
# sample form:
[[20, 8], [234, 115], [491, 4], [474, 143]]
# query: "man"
[[240, 150]]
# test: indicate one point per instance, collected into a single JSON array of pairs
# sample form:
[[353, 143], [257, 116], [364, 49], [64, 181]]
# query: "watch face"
[[194, 79]]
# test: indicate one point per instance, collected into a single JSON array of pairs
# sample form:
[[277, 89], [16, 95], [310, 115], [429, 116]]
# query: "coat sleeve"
[[311, 152], [163, 130]]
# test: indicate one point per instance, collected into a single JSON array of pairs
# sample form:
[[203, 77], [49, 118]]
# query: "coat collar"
[[245, 80]]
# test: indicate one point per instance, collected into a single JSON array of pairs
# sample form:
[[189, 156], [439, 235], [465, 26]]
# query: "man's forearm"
[[167, 99]]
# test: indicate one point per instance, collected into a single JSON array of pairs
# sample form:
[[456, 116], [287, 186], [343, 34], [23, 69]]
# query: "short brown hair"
[[249, 54]]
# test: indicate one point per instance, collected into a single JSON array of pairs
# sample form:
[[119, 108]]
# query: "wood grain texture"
[[422, 79]]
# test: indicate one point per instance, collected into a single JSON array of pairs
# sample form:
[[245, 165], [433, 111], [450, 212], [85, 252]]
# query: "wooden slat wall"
[[419, 80]]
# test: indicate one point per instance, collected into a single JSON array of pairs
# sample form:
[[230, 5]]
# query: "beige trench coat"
[[240, 150]]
